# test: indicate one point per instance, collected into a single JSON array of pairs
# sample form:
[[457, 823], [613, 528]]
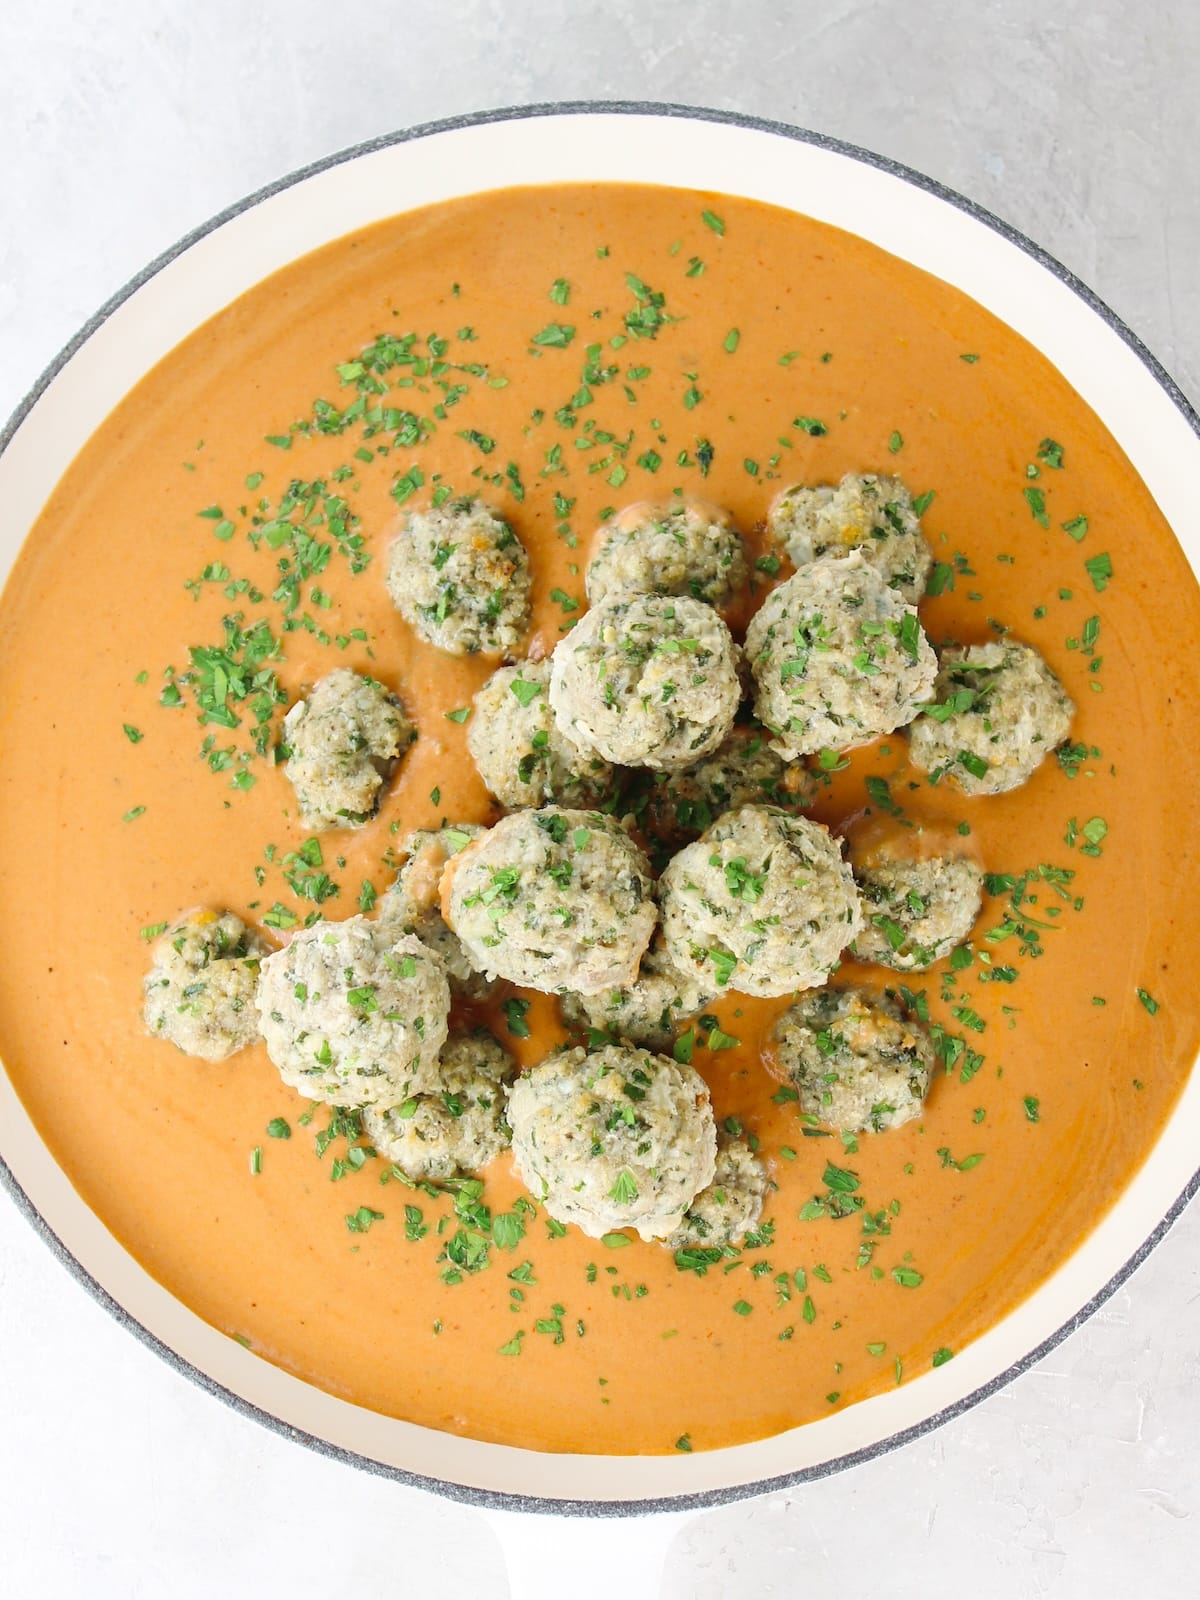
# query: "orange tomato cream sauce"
[[562, 353]]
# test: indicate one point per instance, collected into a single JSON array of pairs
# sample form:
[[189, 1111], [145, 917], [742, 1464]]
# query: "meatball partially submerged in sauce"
[[352, 1017], [553, 899], [732, 1203], [618, 1138], [857, 1061], [413, 903], [344, 739], [649, 681], [647, 1011], [458, 1124], [999, 712], [200, 990], [460, 576], [762, 903], [916, 910], [873, 515], [522, 755], [743, 771], [684, 547], [837, 658]]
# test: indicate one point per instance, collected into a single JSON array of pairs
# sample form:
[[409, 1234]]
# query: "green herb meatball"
[[857, 1061], [522, 755], [684, 547], [459, 574], [413, 904], [744, 770], [619, 1138], [344, 740], [916, 910], [732, 1203], [554, 899], [352, 1017], [647, 1011], [457, 1127], [762, 903], [200, 989], [837, 658], [870, 514], [998, 712], [647, 681]]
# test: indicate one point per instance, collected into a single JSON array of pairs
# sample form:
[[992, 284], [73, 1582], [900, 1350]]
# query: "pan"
[[915, 219]]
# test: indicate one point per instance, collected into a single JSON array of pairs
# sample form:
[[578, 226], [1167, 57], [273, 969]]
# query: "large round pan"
[[897, 209]]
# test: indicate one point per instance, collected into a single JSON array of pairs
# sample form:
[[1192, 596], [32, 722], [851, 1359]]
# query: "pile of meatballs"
[[629, 749]]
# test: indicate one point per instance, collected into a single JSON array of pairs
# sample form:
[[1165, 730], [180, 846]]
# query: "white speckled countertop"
[[122, 126]]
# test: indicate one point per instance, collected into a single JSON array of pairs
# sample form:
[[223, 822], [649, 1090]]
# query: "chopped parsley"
[[555, 335], [1099, 569]]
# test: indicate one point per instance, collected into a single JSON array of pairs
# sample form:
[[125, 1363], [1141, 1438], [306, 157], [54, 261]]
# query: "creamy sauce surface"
[[1056, 1072]]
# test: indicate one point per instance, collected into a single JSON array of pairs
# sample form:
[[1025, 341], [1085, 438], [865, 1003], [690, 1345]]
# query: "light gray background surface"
[[121, 127]]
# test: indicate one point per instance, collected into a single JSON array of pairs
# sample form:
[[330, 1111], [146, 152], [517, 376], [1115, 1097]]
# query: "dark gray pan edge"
[[493, 1498]]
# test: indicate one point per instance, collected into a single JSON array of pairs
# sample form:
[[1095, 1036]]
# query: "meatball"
[[460, 576], [619, 1138], [200, 989], [682, 548], [521, 754], [999, 711], [873, 515], [344, 741], [456, 1127], [837, 658], [762, 903], [647, 1011], [352, 1017], [732, 1203], [855, 1058], [916, 910], [743, 771], [413, 904], [554, 899], [648, 681]]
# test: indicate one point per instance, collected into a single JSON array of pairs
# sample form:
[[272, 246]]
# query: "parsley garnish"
[[555, 335]]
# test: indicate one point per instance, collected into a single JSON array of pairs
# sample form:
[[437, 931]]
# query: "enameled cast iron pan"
[[902, 212]]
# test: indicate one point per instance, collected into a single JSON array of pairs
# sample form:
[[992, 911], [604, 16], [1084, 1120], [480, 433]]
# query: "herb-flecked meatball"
[[413, 904], [522, 755], [743, 771], [647, 1011], [456, 1127], [344, 740], [554, 899], [998, 712], [916, 910], [762, 903], [619, 1138], [857, 1061], [732, 1203], [459, 574], [648, 681], [352, 1017], [200, 990], [837, 658], [684, 547], [870, 514]]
